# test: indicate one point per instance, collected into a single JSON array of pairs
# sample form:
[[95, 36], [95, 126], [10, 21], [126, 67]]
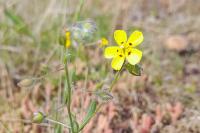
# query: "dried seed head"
[[83, 30]]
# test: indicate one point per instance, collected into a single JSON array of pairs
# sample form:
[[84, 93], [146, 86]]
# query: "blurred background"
[[164, 99]]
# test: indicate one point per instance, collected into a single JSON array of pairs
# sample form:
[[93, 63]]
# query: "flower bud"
[[26, 82], [68, 39], [103, 42], [38, 117]]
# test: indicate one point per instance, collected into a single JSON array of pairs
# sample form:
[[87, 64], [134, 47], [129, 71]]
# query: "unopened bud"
[[38, 117], [103, 42], [68, 39], [26, 82]]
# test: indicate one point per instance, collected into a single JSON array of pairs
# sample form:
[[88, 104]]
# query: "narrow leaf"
[[89, 115], [58, 129], [104, 95], [75, 126], [18, 22]]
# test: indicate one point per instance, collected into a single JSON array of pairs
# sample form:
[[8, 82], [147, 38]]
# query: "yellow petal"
[[120, 37], [68, 39], [133, 56], [117, 62], [112, 51], [135, 39]]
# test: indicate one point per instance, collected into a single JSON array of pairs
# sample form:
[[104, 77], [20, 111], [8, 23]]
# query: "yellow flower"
[[103, 42], [68, 39], [125, 50]]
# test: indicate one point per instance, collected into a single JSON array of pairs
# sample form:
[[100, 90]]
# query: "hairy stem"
[[115, 79], [101, 104], [69, 95], [57, 122]]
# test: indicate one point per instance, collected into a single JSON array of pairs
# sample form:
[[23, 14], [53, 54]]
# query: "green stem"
[[115, 79], [111, 87], [101, 104], [57, 122], [69, 96]]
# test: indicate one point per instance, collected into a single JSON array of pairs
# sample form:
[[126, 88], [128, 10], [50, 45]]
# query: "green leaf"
[[58, 129], [99, 86], [18, 22], [90, 113], [104, 95], [76, 126], [134, 69]]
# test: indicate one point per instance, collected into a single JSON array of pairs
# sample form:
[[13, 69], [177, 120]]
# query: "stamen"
[[120, 55], [129, 53], [121, 46], [130, 44]]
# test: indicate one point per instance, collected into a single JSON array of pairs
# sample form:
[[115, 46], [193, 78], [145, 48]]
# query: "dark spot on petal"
[[130, 44], [120, 55], [117, 50], [122, 42], [129, 53]]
